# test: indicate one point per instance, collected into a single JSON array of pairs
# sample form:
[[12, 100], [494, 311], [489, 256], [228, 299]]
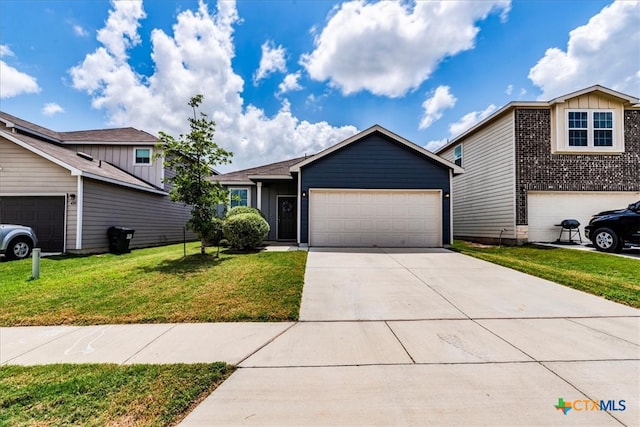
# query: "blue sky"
[[287, 77]]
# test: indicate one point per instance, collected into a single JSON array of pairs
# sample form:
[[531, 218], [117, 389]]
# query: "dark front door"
[[287, 216]]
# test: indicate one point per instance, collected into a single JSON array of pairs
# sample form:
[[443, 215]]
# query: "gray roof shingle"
[[279, 168]]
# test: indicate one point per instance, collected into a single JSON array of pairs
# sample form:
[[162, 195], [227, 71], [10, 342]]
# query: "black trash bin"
[[119, 238]]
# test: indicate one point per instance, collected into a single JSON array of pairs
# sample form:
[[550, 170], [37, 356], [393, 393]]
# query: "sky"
[[285, 78]]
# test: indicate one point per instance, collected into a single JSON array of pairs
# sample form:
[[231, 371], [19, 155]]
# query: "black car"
[[611, 231]]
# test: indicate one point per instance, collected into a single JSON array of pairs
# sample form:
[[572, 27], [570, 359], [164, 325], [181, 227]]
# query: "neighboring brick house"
[[532, 164], [72, 186]]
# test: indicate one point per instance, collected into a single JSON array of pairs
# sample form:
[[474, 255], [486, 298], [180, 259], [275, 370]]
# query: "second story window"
[[457, 155], [142, 156], [590, 128]]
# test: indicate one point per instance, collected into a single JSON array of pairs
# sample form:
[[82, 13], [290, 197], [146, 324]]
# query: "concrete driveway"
[[433, 337]]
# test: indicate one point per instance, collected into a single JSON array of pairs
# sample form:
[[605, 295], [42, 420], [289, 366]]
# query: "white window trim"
[[135, 149], [241, 188], [617, 146]]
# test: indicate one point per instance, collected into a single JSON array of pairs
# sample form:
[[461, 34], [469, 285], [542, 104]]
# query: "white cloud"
[[79, 31], [5, 50], [433, 146], [389, 48], [52, 108], [604, 51], [12, 81], [273, 59], [194, 59], [509, 90], [290, 83], [469, 120], [440, 100]]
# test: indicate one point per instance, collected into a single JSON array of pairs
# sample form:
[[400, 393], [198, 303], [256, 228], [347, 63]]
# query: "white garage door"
[[383, 218], [546, 209]]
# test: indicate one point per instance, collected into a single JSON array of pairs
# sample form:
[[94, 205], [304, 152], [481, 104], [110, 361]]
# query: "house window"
[[457, 155], [590, 128], [142, 156], [238, 197]]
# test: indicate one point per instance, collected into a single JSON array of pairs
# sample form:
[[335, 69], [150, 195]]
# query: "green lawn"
[[99, 395], [153, 285], [612, 277]]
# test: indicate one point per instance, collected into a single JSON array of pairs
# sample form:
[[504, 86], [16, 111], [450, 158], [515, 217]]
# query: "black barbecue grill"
[[572, 228]]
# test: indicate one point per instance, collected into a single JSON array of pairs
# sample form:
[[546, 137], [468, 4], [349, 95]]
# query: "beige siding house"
[[531, 165], [72, 186]]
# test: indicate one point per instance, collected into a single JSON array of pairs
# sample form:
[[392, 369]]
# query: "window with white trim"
[[142, 156], [590, 129], [457, 155], [238, 197]]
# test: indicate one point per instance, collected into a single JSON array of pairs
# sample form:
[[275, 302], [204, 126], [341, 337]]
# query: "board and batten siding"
[[23, 173], [378, 163], [122, 156], [156, 219], [484, 196]]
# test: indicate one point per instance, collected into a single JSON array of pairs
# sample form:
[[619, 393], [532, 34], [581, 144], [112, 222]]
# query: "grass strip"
[[99, 395], [154, 285]]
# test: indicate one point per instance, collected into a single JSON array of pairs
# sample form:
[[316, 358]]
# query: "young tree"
[[191, 158]]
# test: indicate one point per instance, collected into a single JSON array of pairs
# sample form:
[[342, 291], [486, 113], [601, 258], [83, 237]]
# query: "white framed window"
[[589, 129], [457, 155], [239, 197], [142, 156]]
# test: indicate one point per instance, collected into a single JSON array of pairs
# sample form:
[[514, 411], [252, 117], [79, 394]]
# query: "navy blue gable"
[[375, 162]]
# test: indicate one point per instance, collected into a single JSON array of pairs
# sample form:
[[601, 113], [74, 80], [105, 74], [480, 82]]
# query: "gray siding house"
[[72, 186], [531, 165], [373, 189]]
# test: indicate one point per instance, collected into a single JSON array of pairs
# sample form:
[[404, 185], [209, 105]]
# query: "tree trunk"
[[203, 246]]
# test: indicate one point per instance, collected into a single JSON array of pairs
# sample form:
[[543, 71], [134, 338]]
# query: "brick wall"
[[539, 170]]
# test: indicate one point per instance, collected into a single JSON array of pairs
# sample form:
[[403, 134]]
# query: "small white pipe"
[[35, 263]]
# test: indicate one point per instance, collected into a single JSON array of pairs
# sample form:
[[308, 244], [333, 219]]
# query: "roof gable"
[[626, 100], [390, 135], [597, 89]]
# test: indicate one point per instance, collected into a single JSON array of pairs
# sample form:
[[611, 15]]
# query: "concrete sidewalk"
[[391, 337]]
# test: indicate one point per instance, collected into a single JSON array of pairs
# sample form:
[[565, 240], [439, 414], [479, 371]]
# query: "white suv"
[[17, 241]]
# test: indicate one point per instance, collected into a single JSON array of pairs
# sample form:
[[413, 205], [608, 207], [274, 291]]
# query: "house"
[[531, 165], [373, 189], [72, 186]]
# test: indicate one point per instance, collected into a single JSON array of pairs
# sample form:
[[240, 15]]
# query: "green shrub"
[[215, 232], [224, 243], [245, 230], [243, 210]]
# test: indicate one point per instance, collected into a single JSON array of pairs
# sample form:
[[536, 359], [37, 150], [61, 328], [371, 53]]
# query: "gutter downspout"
[[299, 199], [79, 212], [259, 195]]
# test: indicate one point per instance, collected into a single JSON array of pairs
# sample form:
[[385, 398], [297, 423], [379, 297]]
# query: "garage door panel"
[[393, 218], [45, 214], [546, 209]]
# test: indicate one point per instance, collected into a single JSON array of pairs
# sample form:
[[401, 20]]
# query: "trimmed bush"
[[242, 210], [215, 233], [245, 230]]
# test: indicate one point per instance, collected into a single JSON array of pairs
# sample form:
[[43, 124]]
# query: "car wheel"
[[19, 248], [606, 240]]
